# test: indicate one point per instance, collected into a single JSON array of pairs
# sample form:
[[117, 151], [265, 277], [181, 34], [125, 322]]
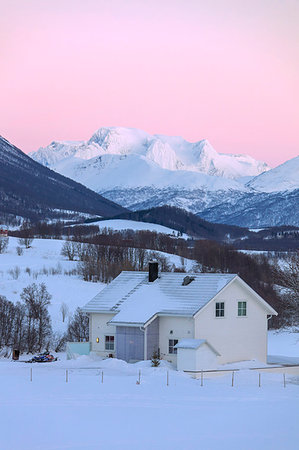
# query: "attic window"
[[187, 280]]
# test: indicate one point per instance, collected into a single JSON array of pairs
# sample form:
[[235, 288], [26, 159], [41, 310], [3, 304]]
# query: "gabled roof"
[[135, 300], [194, 344]]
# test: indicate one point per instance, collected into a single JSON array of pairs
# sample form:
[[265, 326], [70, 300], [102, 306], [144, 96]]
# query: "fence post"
[[30, 373], [139, 376], [167, 378], [284, 380], [201, 378], [102, 376], [259, 380], [66, 376], [233, 376]]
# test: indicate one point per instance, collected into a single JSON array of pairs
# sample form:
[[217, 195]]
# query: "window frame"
[[241, 308], [109, 342], [220, 316], [174, 350]]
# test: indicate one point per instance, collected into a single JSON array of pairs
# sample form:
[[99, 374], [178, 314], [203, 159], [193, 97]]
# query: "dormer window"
[[187, 280]]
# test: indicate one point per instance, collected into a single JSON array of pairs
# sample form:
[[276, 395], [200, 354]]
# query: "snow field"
[[43, 263], [123, 224], [85, 413]]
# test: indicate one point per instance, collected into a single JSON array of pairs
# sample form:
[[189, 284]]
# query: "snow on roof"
[[135, 300], [190, 343], [194, 344]]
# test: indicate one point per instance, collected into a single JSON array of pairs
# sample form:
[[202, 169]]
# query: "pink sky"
[[225, 70]]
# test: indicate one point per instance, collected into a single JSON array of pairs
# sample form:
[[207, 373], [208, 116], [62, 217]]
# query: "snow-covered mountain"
[[145, 156], [139, 170], [30, 190], [283, 178]]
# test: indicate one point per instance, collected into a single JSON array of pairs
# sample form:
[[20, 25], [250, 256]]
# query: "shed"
[[195, 354]]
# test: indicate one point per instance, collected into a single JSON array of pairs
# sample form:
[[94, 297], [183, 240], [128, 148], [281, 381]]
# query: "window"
[[172, 343], [109, 342], [219, 311], [242, 308]]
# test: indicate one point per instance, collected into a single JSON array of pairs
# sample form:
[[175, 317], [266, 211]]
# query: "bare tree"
[[69, 250], [15, 272], [19, 251], [26, 241], [6, 321], [36, 300], [58, 342], [288, 277], [64, 309], [3, 244], [78, 328]]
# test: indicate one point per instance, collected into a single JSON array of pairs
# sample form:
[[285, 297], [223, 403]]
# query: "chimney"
[[152, 271]]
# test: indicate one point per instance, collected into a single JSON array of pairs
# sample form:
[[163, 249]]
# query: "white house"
[[195, 321]]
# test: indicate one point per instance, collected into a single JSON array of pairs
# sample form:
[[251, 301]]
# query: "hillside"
[[30, 190], [186, 222]]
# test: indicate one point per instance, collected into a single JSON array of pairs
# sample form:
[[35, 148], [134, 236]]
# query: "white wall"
[[206, 358], [182, 328], [202, 358], [235, 338], [98, 328], [186, 359]]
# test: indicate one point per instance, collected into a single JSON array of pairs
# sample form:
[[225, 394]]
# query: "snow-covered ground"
[[283, 342], [122, 224], [43, 263], [84, 414], [49, 413]]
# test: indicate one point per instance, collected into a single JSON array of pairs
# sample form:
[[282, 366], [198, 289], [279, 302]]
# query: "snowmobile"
[[42, 357]]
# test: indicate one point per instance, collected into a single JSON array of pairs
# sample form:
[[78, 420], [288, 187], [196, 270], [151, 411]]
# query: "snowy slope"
[[43, 263], [282, 178], [123, 224]]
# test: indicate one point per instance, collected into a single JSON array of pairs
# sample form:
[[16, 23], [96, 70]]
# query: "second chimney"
[[152, 271]]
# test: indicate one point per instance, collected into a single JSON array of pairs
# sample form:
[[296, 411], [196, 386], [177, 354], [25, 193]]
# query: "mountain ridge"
[[140, 171], [30, 190], [168, 152]]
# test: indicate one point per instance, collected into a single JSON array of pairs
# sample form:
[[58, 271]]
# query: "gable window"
[[242, 309], [172, 343], [219, 309], [109, 342]]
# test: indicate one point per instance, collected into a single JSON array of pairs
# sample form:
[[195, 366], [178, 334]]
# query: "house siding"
[[201, 358], [181, 327], [99, 328], [129, 343], [235, 338], [152, 337]]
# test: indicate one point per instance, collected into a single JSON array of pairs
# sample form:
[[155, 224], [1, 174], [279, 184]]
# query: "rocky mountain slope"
[[30, 190]]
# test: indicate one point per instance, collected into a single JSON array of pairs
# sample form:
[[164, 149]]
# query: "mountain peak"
[[152, 154], [284, 177]]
